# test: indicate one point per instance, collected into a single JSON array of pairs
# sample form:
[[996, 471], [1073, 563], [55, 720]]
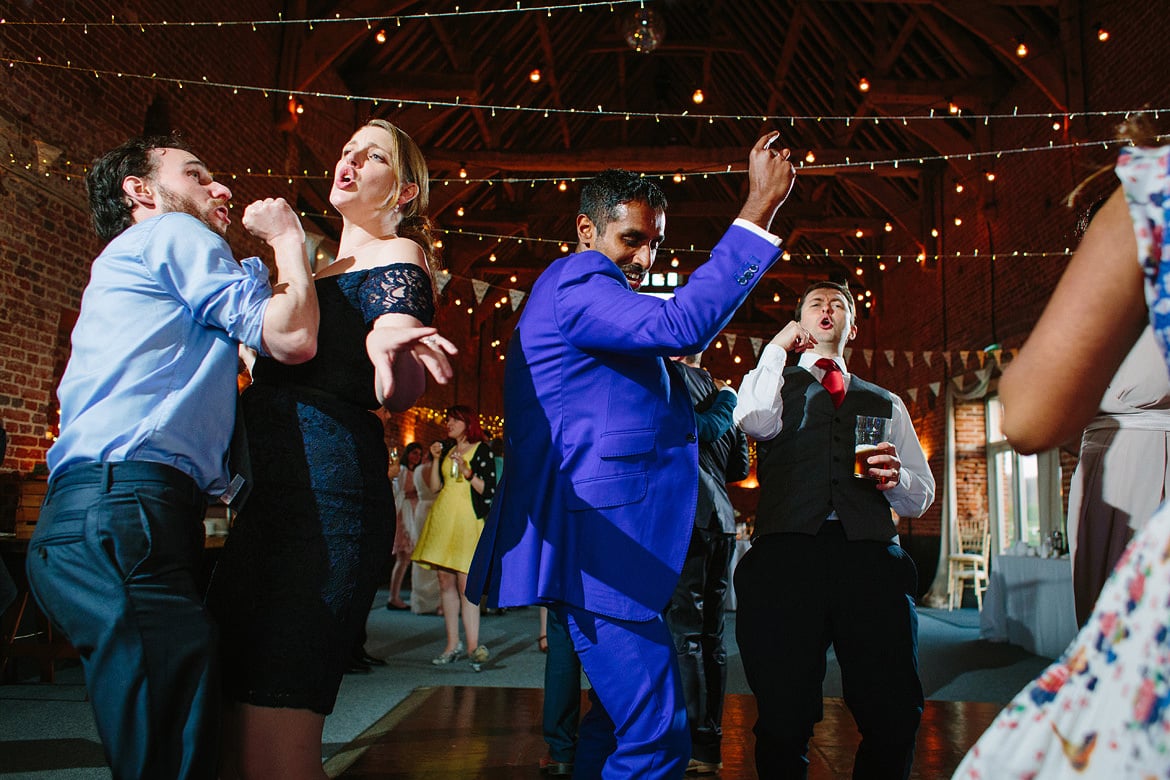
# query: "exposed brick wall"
[[949, 306]]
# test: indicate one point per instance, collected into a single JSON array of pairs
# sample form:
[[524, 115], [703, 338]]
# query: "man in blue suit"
[[595, 511]]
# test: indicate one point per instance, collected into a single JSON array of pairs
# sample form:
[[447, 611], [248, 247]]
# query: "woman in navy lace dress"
[[307, 552]]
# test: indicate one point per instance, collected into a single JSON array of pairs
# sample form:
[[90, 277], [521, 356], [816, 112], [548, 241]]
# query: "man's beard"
[[633, 271], [172, 202]]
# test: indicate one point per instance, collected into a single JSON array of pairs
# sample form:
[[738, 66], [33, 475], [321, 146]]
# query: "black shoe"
[[368, 660]]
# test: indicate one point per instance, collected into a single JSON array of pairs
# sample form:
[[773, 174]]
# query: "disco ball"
[[644, 30]]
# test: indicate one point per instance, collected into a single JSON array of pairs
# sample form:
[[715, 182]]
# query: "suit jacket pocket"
[[623, 444], [606, 492]]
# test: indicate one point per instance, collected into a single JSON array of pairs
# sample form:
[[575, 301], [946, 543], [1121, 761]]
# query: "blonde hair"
[[410, 167]]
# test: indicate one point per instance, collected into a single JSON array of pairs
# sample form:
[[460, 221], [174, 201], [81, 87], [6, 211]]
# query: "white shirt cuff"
[[759, 231]]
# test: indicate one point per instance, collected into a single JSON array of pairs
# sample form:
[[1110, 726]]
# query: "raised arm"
[[1098, 310], [291, 318], [770, 180]]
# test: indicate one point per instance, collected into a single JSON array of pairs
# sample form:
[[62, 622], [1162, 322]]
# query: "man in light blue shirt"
[[147, 413]]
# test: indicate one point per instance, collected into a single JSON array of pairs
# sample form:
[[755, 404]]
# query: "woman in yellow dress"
[[464, 477]]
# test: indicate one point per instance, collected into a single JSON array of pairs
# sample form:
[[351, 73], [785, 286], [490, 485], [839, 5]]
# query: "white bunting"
[[927, 357], [848, 353], [909, 358], [868, 356], [947, 360], [442, 278], [481, 288], [730, 342], [935, 387], [890, 357], [516, 297], [913, 393], [757, 345]]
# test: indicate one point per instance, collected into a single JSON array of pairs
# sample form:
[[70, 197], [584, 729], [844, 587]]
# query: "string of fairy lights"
[[1059, 122]]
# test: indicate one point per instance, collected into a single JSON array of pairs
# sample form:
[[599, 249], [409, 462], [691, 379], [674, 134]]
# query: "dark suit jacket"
[[723, 453], [601, 456]]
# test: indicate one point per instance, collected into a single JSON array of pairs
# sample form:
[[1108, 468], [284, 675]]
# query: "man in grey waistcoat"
[[825, 567]]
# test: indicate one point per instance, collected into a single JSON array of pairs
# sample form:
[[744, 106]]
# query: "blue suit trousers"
[[113, 563], [636, 725]]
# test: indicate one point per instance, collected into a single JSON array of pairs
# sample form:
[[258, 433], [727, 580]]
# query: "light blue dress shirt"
[[152, 375]]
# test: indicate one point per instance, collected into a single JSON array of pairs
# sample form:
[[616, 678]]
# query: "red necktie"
[[833, 380]]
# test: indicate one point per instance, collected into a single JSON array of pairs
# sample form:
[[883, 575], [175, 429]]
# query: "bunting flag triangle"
[[997, 354], [913, 393], [927, 357], [935, 387], [1013, 353], [757, 345], [847, 353], [909, 358], [442, 278], [982, 357], [730, 343], [868, 356], [947, 360], [481, 288], [516, 297], [890, 357], [963, 355], [957, 381]]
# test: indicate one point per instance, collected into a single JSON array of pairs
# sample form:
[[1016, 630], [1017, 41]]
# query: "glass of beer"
[[870, 432]]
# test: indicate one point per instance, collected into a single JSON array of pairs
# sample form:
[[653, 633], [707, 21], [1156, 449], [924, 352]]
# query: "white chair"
[[970, 561]]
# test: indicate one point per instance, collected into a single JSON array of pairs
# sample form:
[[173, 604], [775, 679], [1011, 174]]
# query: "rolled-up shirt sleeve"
[[219, 291], [914, 492], [760, 408]]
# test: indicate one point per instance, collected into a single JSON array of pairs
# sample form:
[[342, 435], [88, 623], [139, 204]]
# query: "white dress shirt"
[[759, 413]]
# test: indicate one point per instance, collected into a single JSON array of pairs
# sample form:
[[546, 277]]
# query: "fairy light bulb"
[[380, 36], [1102, 34], [697, 96], [863, 84], [810, 157], [459, 211], [534, 76], [1022, 50], [562, 186], [462, 172]]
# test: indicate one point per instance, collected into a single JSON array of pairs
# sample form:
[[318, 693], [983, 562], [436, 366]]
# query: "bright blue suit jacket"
[[601, 458]]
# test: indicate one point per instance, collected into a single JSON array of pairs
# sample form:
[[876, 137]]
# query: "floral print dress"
[[1103, 708]]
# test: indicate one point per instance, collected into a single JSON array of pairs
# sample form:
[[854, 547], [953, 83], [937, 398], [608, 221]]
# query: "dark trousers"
[[797, 595], [113, 563], [639, 730], [696, 621], [562, 692]]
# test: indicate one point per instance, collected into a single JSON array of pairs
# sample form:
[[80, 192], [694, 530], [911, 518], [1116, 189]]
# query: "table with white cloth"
[[1029, 602]]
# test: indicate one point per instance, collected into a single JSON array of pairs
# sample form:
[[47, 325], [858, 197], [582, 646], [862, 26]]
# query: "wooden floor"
[[457, 732]]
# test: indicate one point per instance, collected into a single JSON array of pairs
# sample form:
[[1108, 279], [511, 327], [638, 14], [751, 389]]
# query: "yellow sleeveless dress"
[[452, 530]]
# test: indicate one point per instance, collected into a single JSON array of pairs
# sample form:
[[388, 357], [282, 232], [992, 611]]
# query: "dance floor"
[[494, 733]]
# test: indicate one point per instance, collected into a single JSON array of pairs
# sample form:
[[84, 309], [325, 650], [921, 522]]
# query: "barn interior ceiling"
[[512, 109]]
